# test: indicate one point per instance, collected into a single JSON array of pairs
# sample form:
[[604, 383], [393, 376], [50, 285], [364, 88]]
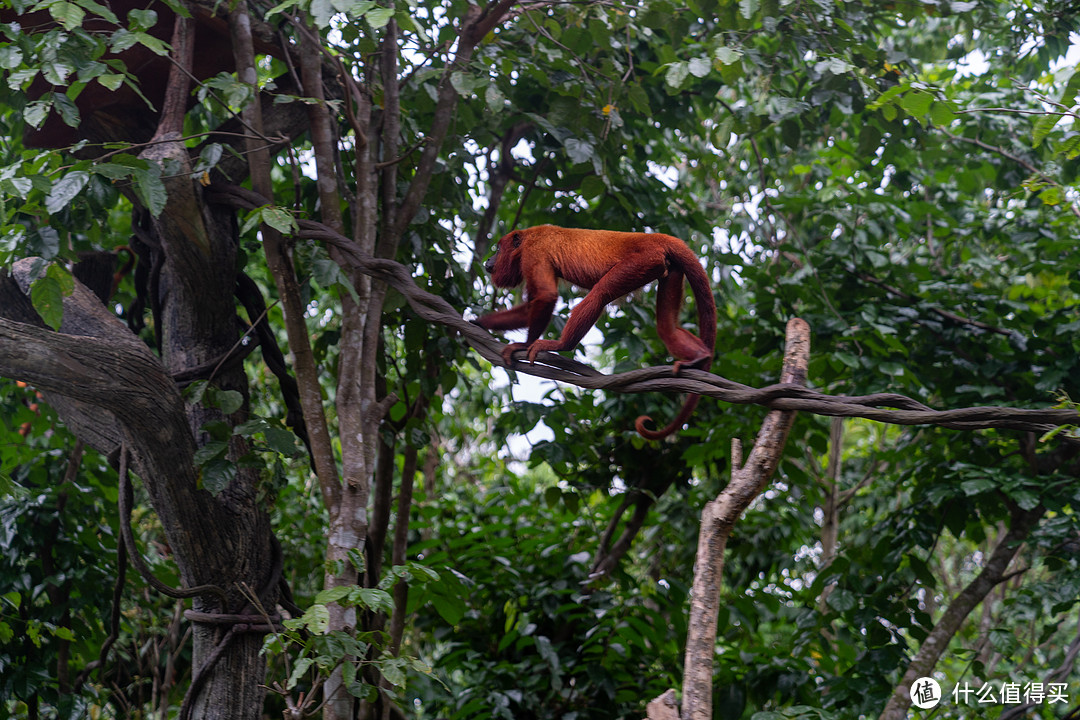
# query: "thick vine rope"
[[882, 407]]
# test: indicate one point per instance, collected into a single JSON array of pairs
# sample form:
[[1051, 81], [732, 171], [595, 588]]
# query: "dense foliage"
[[903, 176]]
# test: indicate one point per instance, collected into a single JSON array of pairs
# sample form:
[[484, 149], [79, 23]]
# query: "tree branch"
[[937, 641], [277, 258], [552, 366], [717, 521]]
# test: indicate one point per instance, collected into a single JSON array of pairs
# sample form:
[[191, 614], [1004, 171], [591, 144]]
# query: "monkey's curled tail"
[[687, 262]]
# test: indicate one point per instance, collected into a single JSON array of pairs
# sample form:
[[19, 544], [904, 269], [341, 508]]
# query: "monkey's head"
[[505, 263]]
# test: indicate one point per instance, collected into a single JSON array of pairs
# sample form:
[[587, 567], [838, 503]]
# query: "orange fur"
[[611, 265]]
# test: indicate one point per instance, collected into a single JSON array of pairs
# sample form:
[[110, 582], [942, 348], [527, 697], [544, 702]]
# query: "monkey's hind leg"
[[633, 272], [687, 348]]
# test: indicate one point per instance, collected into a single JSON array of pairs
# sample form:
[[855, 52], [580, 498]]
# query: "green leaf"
[[398, 410], [47, 294], [333, 595], [977, 486], [36, 112], [142, 19], [280, 219], [462, 83], [749, 8], [69, 112], [10, 57], [111, 81], [353, 8], [726, 55], [639, 99], [841, 600], [378, 17], [67, 14], [373, 599], [229, 401], [1042, 128], [579, 151], [155, 46], [281, 7], [700, 66], [942, 114], [317, 619], [281, 441], [450, 609], [150, 188], [494, 98], [210, 451], [393, 670], [65, 189], [592, 187], [64, 633], [99, 10], [216, 475], [301, 667], [676, 74], [1072, 86], [916, 103]]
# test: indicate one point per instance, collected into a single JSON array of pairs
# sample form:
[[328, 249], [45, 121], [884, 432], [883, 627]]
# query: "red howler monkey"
[[610, 264]]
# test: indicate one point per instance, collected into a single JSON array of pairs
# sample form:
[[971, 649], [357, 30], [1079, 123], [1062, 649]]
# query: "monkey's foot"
[[539, 345], [510, 349], [696, 363]]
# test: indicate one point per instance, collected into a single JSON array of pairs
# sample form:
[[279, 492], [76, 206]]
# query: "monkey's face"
[[505, 264]]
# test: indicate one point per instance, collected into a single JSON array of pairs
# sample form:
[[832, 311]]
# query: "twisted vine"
[[890, 408]]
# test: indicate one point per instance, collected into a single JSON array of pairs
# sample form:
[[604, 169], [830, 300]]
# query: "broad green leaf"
[[10, 57], [916, 103], [676, 74], [941, 114], [699, 67], [36, 112], [321, 12], [378, 17], [98, 9], [317, 619], [281, 7], [726, 55], [152, 43], [373, 599], [1072, 86], [886, 97], [579, 151], [69, 113], [279, 219], [211, 450], [64, 633], [332, 595], [142, 19], [281, 441], [393, 670], [462, 83], [111, 81], [47, 294], [65, 189], [67, 14], [1042, 128], [302, 666], [150, 188], [494, 98], [228, 401]]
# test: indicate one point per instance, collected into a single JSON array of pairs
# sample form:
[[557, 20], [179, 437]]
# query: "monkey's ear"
[[515, 240]]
